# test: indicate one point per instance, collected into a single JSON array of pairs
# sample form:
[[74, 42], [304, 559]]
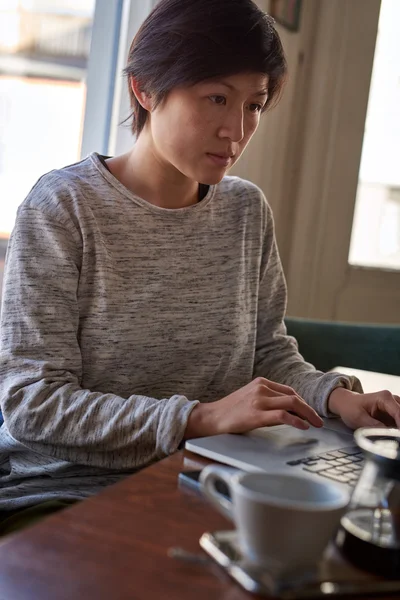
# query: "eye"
[[256, 108], [221, 101], [218, 99]]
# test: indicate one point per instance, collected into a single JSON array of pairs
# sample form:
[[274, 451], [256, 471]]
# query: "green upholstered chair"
[[328, 344]]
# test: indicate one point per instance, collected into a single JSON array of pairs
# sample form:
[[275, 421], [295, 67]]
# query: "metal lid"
[[382, 446]]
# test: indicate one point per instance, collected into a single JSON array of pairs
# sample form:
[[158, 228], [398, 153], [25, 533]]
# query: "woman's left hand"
[[377, 409]]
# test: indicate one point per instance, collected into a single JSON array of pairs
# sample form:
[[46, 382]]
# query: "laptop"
[[328, 452]]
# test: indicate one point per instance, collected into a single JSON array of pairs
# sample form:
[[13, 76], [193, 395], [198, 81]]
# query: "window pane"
[[44, 50], [375, 240]]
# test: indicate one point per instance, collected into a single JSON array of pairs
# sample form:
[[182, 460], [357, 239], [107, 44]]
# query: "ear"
[[144, 99]]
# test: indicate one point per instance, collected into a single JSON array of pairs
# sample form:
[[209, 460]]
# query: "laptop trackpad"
[[285, 439]]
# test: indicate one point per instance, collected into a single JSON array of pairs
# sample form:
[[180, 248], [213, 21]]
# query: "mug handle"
[[208, 478]]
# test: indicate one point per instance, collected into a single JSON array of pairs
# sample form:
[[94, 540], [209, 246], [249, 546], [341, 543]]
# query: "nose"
[[233, 125]]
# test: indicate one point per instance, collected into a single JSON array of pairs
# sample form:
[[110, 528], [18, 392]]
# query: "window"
[[62, 95], [44, 49], [375, 240]]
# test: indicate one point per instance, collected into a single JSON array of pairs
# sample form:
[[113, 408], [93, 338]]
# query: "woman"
[[144, 296]]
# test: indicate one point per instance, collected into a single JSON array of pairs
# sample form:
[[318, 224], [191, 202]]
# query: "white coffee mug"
[[284, 522]]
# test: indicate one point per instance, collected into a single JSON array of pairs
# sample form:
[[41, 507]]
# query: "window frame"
[[107, 104], [100, 81]]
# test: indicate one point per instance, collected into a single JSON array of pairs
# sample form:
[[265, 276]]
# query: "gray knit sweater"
[[118, 317]]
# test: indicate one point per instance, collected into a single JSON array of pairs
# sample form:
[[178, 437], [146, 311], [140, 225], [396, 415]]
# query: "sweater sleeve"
[[277, 356], [44, 406]]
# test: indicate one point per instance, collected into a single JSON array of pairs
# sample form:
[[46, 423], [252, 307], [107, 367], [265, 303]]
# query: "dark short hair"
[[184, 42]]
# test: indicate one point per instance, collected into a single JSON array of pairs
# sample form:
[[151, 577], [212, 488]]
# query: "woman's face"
[[201, 131]]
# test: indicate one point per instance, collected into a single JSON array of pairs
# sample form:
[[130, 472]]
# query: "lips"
[[221, 155], [220, 160]]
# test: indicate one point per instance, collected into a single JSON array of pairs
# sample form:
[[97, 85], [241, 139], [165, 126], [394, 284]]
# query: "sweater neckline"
[[113, 181]]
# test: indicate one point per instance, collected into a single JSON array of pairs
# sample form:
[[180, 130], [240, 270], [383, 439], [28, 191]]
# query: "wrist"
[[201, 422], [337, 398]]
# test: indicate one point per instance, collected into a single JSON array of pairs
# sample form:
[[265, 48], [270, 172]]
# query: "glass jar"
[[369, 534]]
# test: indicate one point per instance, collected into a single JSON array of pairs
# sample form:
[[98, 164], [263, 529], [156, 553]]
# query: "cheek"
[[190, 133], [166, 135], [198, 125], [250, 130], [182, 131]]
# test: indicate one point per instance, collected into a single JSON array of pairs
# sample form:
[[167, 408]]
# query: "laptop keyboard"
[[342, 465]]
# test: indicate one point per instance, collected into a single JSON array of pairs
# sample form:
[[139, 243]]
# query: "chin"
[[208, 179]]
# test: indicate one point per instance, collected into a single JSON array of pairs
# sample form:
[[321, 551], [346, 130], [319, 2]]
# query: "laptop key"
[[356, 459], [327, 456], [334, 454], [345, 468], [334, 471], [356, 467], [350, 451], [333, 462], [344, 461], [321, 466], [342, 452], [342, 478]]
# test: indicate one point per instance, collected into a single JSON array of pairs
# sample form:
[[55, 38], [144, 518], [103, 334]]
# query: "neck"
[[144, 174]]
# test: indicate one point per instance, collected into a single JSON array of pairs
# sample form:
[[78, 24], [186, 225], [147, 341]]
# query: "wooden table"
[[114, 546]]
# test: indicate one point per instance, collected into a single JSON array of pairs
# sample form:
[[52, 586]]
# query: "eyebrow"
[[232, 87]]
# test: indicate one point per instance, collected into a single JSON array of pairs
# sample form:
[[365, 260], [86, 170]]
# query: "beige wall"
[[272, 159], [306, 158]]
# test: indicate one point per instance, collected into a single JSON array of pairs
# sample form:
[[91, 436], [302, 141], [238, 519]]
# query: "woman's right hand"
[[260, 403]]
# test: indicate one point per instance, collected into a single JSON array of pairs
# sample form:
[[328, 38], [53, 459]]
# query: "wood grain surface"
[[115, 545]]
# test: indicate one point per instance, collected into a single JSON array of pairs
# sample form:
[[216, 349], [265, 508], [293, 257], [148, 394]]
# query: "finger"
[[270, 392], [365, 420], [282, 417], [278, 387], [283, 389], [388, 404], [295, 407]]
